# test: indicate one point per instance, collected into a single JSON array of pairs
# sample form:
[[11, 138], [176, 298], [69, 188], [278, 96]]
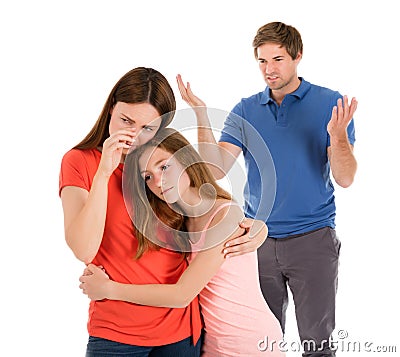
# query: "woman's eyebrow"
[[127, 117]]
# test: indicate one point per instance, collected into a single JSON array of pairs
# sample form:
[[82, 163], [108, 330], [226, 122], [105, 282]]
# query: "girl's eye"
[[147, 177], [164, 167]]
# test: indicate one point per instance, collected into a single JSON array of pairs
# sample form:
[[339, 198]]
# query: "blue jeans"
[[100, 347]]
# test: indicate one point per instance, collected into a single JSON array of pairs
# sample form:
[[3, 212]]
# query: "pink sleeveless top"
[[238, 321]]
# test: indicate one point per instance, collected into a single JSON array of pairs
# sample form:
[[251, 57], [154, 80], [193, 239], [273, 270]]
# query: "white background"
[[60, 60]]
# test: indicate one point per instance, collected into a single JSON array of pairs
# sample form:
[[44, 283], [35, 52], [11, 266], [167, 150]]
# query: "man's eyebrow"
[[276, 57]]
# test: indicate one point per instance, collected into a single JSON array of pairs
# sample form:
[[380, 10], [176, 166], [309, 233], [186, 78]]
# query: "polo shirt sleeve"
[[351, 132], [233, 127], [74, 171]]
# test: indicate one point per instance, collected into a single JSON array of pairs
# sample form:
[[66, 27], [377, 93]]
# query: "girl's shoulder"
[[225, 210], [219, 224]]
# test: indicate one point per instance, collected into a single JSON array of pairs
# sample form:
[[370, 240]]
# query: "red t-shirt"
[[117, 320]]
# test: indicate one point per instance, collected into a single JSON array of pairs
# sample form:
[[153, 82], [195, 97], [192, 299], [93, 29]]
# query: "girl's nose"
[[158, 180]]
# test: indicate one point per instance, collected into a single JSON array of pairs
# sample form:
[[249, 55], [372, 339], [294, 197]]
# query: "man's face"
[[278, 69]]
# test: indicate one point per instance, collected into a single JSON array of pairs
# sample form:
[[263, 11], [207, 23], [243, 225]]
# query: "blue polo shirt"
[[288, 180]]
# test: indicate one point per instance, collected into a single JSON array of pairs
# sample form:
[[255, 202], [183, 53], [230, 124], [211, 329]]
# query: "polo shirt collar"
[[300, 92]]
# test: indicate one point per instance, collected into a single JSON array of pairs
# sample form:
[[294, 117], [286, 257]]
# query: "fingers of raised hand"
[[353, 106], [181, 86], [345, 110]]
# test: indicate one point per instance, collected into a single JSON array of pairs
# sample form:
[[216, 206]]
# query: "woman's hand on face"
[[94, 282], [256, 232], [113, 148], [187, 95]]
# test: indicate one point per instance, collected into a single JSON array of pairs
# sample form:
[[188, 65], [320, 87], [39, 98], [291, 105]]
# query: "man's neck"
[[279, 94]]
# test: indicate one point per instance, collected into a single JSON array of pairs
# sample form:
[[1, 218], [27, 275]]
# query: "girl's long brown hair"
[[150, 212]]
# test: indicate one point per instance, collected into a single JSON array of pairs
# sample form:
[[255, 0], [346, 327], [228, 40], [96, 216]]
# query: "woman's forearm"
[[84, 232]]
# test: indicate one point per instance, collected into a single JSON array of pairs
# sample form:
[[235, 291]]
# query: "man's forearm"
[[209, 149], [343, 162]]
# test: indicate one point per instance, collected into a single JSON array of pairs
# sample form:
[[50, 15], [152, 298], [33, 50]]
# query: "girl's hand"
[[256, 232], [94, 282], [113, 149]]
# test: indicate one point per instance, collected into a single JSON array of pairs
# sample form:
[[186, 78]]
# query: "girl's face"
[[141, 116], [164, 175]]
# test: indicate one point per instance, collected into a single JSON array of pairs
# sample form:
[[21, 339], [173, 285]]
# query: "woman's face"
[[141, 116], [164, 175]]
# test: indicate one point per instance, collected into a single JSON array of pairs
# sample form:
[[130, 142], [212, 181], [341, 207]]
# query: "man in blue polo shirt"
[[309, 132]]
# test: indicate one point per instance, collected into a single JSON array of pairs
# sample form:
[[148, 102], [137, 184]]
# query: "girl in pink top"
[[171, 183]]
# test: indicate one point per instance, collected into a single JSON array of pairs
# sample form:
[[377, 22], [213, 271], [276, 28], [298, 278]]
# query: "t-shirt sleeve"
[[233, 127], [74, 171]]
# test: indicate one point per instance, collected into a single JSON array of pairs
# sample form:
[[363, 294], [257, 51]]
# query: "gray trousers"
[[308, 264]]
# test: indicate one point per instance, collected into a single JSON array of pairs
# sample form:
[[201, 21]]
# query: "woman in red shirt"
[[98, 228]]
